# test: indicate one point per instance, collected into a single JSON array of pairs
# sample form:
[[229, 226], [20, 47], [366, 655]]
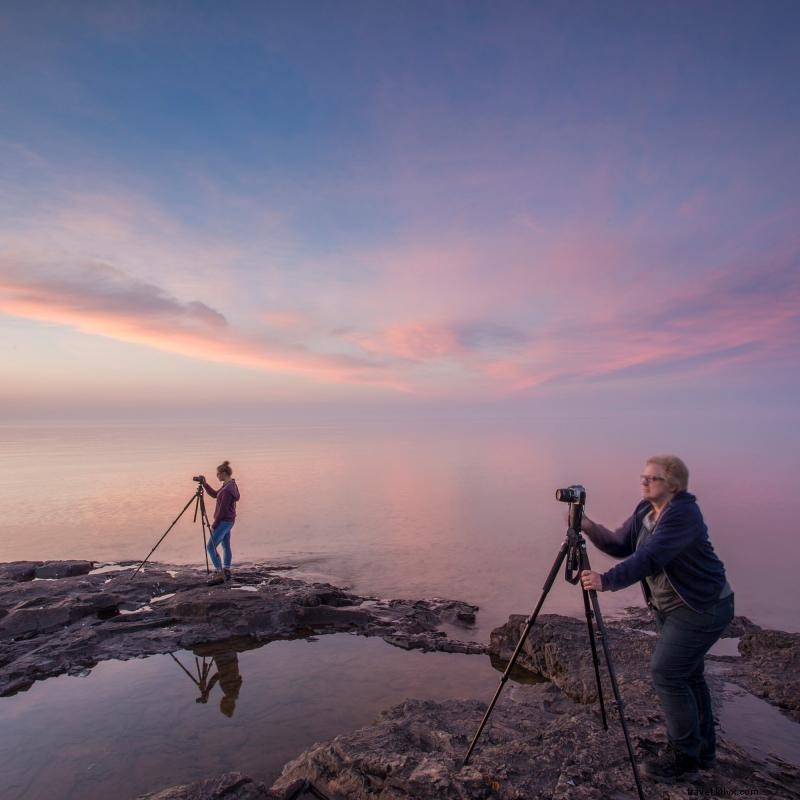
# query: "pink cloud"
[[413, 340], [102, 300], [527, 304]]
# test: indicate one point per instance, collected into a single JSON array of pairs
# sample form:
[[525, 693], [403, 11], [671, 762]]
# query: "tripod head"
[[576, 497]]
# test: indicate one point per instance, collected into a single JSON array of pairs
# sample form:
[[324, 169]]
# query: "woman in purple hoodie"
[[224, 517]]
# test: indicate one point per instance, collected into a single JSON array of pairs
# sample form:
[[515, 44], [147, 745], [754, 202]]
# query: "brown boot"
[[216, 578]]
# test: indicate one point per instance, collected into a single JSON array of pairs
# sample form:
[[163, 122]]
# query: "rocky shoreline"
[[545, 738]]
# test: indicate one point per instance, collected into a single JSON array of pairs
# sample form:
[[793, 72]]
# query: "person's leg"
[[213, 541], [226, 549], [677, 670], [678, 655], [220, 535], [697, 682], [702, 698]]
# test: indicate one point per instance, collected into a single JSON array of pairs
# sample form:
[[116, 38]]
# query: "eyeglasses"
[[645, 479]]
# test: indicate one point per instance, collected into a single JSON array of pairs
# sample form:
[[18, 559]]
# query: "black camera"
[[198, 478], [572, 494]]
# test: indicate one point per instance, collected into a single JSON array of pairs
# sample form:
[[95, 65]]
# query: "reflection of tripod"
[[199, 506], [227, 676], [201, 681], [574, 550]]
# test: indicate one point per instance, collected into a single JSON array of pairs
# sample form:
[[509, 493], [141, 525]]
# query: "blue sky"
[[380, 204]]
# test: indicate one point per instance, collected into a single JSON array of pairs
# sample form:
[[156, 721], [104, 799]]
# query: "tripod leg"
[[595, 659], [191, 677], [611, 673], [547, 586], [147, 558], [203, 524], [201, 509]]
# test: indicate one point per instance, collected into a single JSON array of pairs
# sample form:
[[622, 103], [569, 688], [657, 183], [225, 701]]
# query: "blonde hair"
[[676, 472], [225, 467]]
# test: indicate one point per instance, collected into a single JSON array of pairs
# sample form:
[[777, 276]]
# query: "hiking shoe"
[[227, 577], [671, 766], [216, 578]]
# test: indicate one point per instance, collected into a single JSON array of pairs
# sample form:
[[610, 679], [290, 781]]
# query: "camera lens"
[[572, 494]]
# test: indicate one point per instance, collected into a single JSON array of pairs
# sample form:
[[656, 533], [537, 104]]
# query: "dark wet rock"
[[558, 649], [537, 745], [19, 570], [49, 627], [542, 741], [63, 569], [740, 626], [230, 786], [770, 667], [638, 617], [235, 786], [28, 570]]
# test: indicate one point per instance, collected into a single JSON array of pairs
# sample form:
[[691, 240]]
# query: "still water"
[[445, 510], [465, 512], [138, 726]]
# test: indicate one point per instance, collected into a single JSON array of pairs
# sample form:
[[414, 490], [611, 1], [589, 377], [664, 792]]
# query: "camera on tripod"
[[573, 552], [197, 478], [572, 494]]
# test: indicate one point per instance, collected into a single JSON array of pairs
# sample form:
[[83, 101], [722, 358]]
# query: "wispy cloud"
[[513, 306], [101, 299]]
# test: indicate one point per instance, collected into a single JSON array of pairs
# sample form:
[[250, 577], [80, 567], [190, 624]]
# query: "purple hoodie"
[[226, 496]]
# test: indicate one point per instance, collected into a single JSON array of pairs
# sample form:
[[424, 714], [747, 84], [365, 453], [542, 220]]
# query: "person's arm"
[[613, 543], [674, 532], [211, 492]]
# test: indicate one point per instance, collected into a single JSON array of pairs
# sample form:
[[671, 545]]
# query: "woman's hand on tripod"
[[591, 580]]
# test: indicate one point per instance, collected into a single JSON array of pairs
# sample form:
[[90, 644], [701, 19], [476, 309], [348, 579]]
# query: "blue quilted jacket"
[[678, 545]]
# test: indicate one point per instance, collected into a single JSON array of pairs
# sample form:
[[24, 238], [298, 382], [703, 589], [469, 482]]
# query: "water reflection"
[[215, 665], [85, 737]]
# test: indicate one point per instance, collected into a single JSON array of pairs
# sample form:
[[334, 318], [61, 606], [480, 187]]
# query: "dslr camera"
[[572, 494]]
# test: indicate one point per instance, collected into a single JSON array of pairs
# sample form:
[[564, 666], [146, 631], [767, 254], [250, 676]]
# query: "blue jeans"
[[677, 669], [221, 535]]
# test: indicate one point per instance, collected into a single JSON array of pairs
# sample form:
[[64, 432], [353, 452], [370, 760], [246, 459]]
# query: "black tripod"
[[199, 507], [202, 679], [574, 551]]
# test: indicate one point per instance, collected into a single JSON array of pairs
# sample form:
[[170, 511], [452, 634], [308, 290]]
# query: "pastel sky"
[[391, 204]]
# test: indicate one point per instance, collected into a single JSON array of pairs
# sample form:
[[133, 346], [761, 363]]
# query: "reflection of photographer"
[[665, 545], [224, 517], [229, 679]]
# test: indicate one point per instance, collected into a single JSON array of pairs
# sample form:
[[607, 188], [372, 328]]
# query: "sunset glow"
[[408, 202]]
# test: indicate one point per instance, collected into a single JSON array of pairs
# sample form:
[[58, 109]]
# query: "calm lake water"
[[464, 511]]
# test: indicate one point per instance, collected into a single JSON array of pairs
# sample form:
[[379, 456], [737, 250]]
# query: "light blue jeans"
[[221, 535]]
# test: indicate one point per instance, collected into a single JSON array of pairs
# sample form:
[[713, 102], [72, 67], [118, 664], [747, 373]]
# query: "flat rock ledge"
[[66, 616], [545, 738]]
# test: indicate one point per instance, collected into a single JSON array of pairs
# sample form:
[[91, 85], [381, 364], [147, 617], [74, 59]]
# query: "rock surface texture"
[[545, 738], [64, 617]]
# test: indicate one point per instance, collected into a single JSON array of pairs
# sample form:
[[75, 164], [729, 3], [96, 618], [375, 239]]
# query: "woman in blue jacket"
[[665, 545]]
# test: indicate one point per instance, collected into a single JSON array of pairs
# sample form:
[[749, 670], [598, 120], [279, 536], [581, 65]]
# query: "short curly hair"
[[676, 471]]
